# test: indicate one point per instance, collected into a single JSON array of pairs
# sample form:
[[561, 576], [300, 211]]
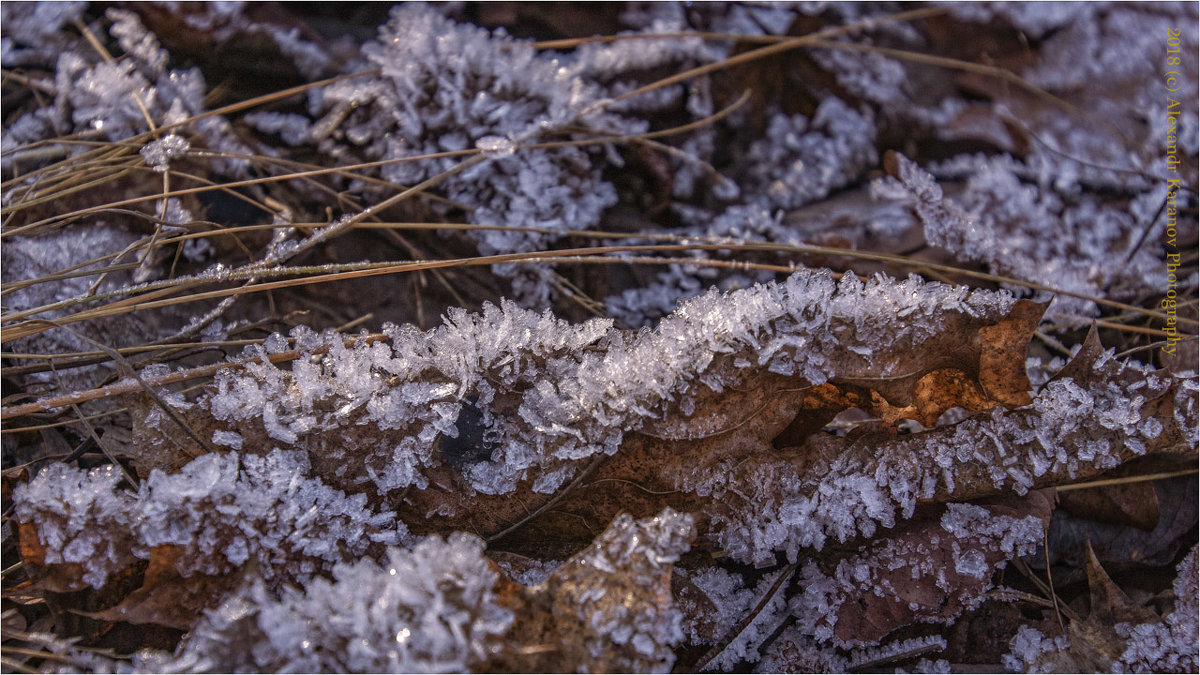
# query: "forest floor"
[[636, 337]]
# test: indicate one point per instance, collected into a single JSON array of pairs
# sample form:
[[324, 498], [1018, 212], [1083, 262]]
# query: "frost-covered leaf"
[[607, 609], [538, 397], [214, 516], [442, 606], [927, 570], [1139, 643]]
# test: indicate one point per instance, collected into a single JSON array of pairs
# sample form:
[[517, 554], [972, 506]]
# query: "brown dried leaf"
[[1071, 535], [616, 587], [1132, 504], [905, 594], [166, 598], [1109, 604]]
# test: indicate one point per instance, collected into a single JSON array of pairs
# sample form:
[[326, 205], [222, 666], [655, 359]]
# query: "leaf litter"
[[730, 468]]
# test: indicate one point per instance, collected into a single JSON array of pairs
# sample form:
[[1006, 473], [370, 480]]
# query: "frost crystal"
[[446, 87], [159, 153], [222, 510], [113, 97], [81, 519], [569, 403], [32, 24], [731, 602], [495, 146], [1169, 646], [429, 609], [800, 162], [608, 583], [1028, 649]]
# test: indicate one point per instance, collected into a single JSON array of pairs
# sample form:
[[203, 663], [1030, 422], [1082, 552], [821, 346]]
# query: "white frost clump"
[[114, 97], [428, 609], [25, 259], [1010, 226], [158, 154], [1011, 536], [608, 584], [801, 161], [223, 509], [1172, 645], [81, 518], [447, 87], [1028, 649], [32, 31]]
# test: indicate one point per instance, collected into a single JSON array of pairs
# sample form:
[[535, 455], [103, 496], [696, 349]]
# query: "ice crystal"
[[802, 160], [428, 609], [1169, 646], [293, 129], [32, 32], [868, 75], [138, 43], [114, 97], [572, 403], [867, 657], [1035, 19], [159, 153], [732, 602], [81, 518], [223, 510], [446, 87], [1029, 648], [607, 583], [644, 305], [26, 259], [793, 651]]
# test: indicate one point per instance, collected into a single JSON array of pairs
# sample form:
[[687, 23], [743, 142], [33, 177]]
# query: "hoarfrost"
[[222, 510], [1028, 649], [1169, 646], [428, 609], [607, 584], [1002, 222], [81, 518], [731, 602], [800, 161], [487, 86], [572, 403], [158, 154], [113, 98]]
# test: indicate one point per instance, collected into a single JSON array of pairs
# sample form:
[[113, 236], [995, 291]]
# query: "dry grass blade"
[[130, 386]]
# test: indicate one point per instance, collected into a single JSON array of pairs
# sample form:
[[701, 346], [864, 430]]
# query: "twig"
[[732, 635], [552, 502]]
